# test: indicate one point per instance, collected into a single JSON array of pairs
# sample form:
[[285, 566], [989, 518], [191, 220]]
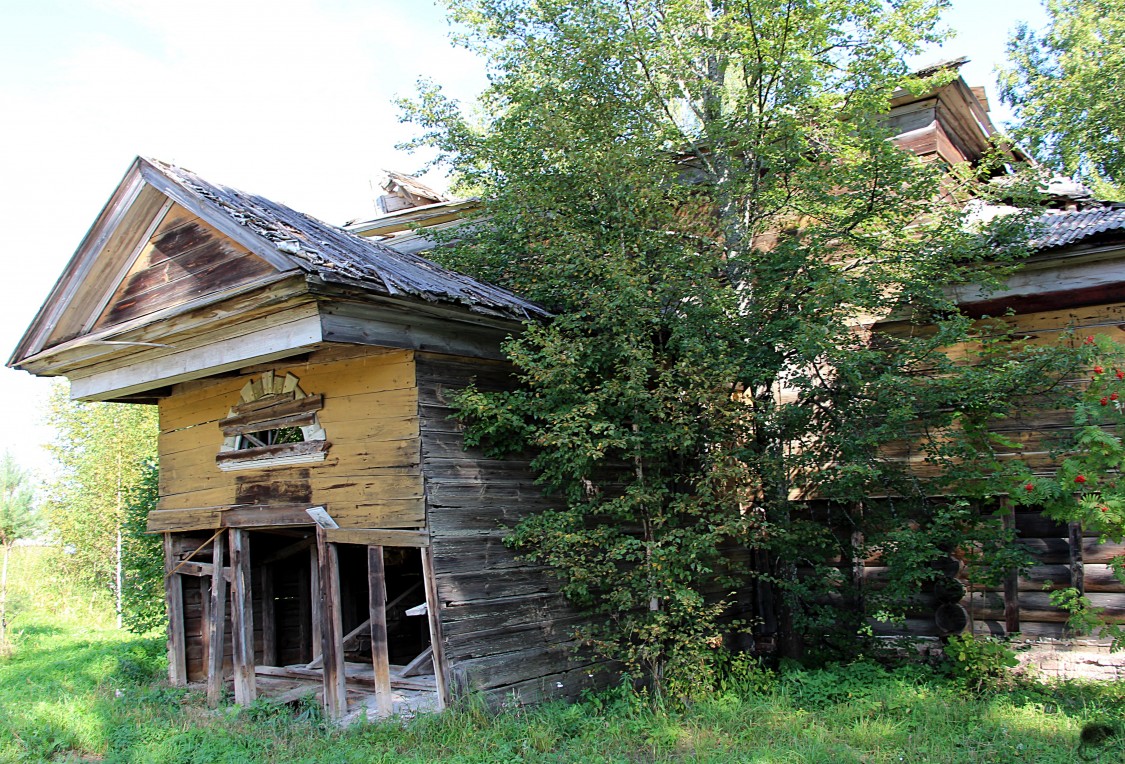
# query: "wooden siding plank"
[[276, 341], [377, 537]]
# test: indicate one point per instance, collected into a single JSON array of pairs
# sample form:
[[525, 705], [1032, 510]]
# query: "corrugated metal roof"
[[1062, 229], [333, 253]]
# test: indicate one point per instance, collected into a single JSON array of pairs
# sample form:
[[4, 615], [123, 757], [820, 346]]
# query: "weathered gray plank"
[[377, 614], [215, 627], [174, 601], [331, 630], [242, 618]]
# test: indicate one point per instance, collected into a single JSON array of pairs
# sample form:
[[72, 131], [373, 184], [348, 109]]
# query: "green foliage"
[[1087, 487], [101, 450], [73, 692], [142, 555], [1082, 617], [18, 519], [1065, 84], [982, 663], [703, 194]]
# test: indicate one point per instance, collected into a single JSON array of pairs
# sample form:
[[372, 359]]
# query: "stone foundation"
[[1070, 659]]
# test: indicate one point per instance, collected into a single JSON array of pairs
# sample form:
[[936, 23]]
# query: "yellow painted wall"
[[371, 477]]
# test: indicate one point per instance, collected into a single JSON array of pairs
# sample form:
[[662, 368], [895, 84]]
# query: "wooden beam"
[[216, 626], [441, 677], [1011, 580], [205, 620], [266, 344], [421, 662], [264, 515], [331, 630], [380, 648], [271, 417], [269, 620], [377, 537], [202, 569], [242, 618], [174, 601]]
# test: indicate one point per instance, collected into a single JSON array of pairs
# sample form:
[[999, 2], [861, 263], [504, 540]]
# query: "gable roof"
[[283, 241], [335, 254]]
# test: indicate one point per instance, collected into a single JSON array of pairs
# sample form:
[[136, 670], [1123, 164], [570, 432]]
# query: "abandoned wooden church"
[[323, 525]]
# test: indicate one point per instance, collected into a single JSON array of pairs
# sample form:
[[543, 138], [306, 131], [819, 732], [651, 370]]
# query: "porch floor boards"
[[410, 695]]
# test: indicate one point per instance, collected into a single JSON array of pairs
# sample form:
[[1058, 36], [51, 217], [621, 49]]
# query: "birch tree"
[[101, 450], [1065, 83], [17, 521]]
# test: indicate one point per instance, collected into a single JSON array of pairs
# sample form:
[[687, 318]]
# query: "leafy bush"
[[980, 662]]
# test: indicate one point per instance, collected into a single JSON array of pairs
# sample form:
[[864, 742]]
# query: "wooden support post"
[[174, 601], [269, 621], [380, 649], [205, 619], [1077, 567], [1011, 580], [216, 626], [436, 639], [331, 629], [315, 599], [242, 618]]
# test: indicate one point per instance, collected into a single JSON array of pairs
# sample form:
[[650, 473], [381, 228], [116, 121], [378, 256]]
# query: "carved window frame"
[[267, 404]]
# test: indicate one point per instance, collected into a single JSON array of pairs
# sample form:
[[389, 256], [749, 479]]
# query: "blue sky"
[[291, 99]]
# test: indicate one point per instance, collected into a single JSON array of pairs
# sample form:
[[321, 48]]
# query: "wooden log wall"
[[506, 629], [370, 477], [1064, 556]]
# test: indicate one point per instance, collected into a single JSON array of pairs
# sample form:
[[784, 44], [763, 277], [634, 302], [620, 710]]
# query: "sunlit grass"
[[76, 689]]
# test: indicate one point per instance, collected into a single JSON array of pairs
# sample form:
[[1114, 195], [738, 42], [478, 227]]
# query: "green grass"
[[75, 689]]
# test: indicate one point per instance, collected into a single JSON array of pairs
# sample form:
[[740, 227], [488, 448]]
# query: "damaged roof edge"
[[331, 252]]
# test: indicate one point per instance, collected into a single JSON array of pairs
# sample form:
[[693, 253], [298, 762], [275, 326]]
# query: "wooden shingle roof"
[[335, 254]]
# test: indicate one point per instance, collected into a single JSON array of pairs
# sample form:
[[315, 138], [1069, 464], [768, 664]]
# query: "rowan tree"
[[703, 193]]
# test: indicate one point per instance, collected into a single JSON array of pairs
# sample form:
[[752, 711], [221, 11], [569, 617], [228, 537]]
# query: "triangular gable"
[[185, 258], [154, 247]]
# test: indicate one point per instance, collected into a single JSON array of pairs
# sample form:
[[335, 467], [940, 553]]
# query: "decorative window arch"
[[275, 423]]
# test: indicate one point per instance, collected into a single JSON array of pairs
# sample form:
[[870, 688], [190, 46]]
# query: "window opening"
[[275, 422]]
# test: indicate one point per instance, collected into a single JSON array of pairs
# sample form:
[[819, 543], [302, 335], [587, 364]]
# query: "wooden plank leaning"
[[215, 626]]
